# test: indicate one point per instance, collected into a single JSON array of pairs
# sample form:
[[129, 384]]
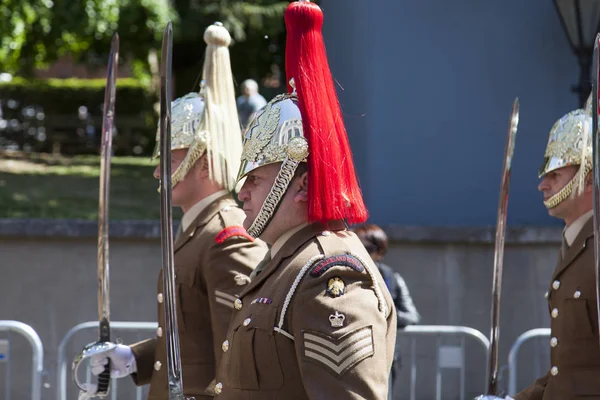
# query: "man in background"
[[250, 101]]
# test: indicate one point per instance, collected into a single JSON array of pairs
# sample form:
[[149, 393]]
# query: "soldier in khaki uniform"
[[567, 188], [316, 320], [214, 255]]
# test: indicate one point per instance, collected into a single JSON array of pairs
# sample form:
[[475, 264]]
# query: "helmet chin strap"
[[567, 190], [562, 194], [176, 177], [273, 199]]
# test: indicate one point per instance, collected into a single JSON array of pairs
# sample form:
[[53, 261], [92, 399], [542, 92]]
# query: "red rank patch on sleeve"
[[232, 231]]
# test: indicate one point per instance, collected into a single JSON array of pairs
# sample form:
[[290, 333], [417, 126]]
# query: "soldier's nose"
[[156, 173], [244, 194]]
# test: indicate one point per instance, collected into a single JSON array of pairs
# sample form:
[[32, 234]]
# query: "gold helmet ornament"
[[569, 144], [207, 122], [305, 126]]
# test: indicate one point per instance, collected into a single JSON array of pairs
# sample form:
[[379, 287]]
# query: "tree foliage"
[[34, 33]]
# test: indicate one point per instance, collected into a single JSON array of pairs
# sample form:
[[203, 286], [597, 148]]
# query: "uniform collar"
[[197, 208], [296, 240], [281, 240], [570, 233]]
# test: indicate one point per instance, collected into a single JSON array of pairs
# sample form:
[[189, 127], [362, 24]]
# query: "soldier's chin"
[[248, 220], [558, 210]]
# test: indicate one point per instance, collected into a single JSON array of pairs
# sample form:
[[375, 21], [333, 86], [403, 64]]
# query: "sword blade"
[[492, 388], [596, 168], [166, 220], [103, 203], [103, 206]]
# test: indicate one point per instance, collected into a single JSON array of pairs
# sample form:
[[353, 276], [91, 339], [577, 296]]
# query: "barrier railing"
[[447, 357], [64, 373], [32, 337], [514, 352]]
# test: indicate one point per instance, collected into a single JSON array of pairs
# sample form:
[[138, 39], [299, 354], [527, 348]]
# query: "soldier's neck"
[[202, 192], [577, 213]]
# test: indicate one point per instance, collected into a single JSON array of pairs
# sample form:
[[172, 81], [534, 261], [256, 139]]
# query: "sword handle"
[[101, 389], [104, 380]]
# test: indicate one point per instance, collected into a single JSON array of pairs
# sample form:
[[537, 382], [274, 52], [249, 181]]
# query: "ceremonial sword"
[[492, 382], [103, 343], [175, 384], [596, 169]]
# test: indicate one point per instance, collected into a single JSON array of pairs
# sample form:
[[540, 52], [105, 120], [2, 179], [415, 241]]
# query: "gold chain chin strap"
[[297, 151], [282, 181], [567, 190]]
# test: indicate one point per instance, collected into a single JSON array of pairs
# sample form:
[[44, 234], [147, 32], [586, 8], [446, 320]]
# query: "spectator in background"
[[375, 241], [249, 102]]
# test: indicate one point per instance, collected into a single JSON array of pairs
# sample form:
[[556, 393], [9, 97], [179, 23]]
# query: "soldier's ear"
[[302, 188]]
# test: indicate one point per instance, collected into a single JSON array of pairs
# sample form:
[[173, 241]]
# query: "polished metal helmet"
[[569, 143], [274, 135]]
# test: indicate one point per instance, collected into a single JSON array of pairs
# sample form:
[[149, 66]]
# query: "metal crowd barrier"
[[447, 357], [64, 373], [37, 359], [514, 352]]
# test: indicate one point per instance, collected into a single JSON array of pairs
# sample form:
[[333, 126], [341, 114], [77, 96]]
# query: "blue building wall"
[[426, 87]]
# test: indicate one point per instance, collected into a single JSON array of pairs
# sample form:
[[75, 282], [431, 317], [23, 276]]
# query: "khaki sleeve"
[[344, 343], [144, 359], [226, 274], [535, 391]]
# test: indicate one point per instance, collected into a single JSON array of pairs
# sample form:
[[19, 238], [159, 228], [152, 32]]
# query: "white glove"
[[508, 398], [122, 362]]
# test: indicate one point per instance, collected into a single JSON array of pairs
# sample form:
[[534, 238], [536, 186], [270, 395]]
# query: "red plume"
[[334, 193]]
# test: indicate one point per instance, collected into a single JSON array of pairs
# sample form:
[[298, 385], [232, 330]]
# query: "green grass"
[[43, 186]]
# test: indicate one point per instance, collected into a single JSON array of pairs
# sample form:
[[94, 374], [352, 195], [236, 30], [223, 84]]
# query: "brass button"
[[247, 321], [159, 331], [159, 297], [554, 371], [225, 345], [554, 313], [157, 365], [237, 304], [554, 342], [218, 388], [555, 285], [577, 294]]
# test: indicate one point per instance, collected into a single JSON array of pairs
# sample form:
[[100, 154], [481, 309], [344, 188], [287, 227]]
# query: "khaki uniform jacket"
[[574, 348], [317, 323], [213, 258]]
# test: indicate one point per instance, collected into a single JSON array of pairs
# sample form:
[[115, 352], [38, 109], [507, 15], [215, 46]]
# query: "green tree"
[[34, 33]]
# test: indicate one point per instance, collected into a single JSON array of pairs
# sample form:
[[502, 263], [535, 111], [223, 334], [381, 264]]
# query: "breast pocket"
[[577, 319], [254, 360], [189, 310]]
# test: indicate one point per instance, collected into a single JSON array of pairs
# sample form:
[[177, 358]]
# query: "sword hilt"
[[101, 388]]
